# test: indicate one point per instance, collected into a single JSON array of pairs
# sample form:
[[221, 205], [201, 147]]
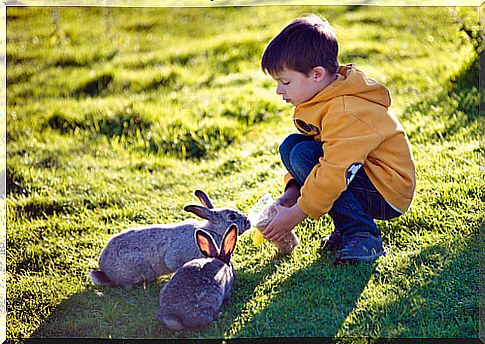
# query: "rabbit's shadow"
[[106, 312], [130, 311]]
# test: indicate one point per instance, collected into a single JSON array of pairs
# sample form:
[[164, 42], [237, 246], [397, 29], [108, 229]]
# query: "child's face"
[[295, 87]]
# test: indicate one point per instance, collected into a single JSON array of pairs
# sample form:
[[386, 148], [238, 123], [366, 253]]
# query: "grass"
[[115, 116]]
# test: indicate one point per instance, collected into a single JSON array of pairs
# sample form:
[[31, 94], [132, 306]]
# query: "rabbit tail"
[[177, 323], [171, 321], [99, 278]]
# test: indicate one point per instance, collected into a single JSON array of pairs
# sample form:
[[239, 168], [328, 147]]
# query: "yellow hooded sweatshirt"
[[352, 120]]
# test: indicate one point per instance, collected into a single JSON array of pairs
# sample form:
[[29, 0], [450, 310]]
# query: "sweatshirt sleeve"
[[347, 141]]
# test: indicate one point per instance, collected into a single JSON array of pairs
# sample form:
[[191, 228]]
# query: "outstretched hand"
[[284, 221]]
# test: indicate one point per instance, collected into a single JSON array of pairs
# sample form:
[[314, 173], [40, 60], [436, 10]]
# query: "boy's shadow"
[[312, 302]]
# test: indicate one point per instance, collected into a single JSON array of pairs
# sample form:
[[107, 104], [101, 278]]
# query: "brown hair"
[[305, 43]]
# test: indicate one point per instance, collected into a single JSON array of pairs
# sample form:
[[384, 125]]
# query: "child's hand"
[[285, 220]]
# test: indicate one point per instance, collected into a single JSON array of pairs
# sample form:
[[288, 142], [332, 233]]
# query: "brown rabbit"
[[193, 296]]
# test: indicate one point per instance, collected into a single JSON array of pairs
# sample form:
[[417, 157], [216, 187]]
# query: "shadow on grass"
[[103, 312], [130, 312], [440, 296], [435, 293], [431, 293], [313, 302]]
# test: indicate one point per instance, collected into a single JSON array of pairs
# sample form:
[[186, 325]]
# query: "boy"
[[352, 159]]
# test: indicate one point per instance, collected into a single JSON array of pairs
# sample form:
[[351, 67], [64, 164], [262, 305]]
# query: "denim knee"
[[288, 143], [286, 148], [303, 158]]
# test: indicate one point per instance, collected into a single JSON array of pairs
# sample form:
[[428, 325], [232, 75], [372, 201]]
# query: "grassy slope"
[[108, 119]]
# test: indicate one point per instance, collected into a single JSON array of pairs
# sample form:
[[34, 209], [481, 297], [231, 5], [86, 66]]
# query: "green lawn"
[[115, 116]]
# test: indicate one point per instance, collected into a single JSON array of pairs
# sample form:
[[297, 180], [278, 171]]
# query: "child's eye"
[[285, 83]]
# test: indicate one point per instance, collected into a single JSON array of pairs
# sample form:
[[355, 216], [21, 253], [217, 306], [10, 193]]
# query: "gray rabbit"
[[195, 293], [140, 255]]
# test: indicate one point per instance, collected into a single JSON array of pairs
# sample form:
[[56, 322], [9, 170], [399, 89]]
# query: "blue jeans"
[[356, 207]]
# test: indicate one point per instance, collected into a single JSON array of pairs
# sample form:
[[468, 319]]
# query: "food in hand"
[[287, 244]]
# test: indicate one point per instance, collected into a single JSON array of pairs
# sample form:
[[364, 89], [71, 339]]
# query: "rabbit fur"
[[139, 255], [191, 299]]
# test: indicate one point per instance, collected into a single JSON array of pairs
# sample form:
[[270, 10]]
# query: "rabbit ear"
[[200, 212], [206, 243], [228, 244], [204, 199]]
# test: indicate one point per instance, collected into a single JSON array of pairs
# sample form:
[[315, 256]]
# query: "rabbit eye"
[[232, 217]]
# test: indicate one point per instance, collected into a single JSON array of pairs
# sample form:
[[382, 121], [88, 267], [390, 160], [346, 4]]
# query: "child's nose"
[[279, 90]]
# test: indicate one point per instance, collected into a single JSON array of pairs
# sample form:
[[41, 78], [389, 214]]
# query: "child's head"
[[302, 59], [305, 43]]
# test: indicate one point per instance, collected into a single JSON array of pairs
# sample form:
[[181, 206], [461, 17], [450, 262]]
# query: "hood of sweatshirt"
[[350, 82]]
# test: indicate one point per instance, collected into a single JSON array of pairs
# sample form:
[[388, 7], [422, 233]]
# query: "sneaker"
[[360, 247], [332, 242]]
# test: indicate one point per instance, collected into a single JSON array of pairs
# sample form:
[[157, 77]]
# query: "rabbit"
[[140, 255], [191, 299]]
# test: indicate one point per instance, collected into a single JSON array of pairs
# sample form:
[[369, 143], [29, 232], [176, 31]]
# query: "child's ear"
[[319, 73]]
